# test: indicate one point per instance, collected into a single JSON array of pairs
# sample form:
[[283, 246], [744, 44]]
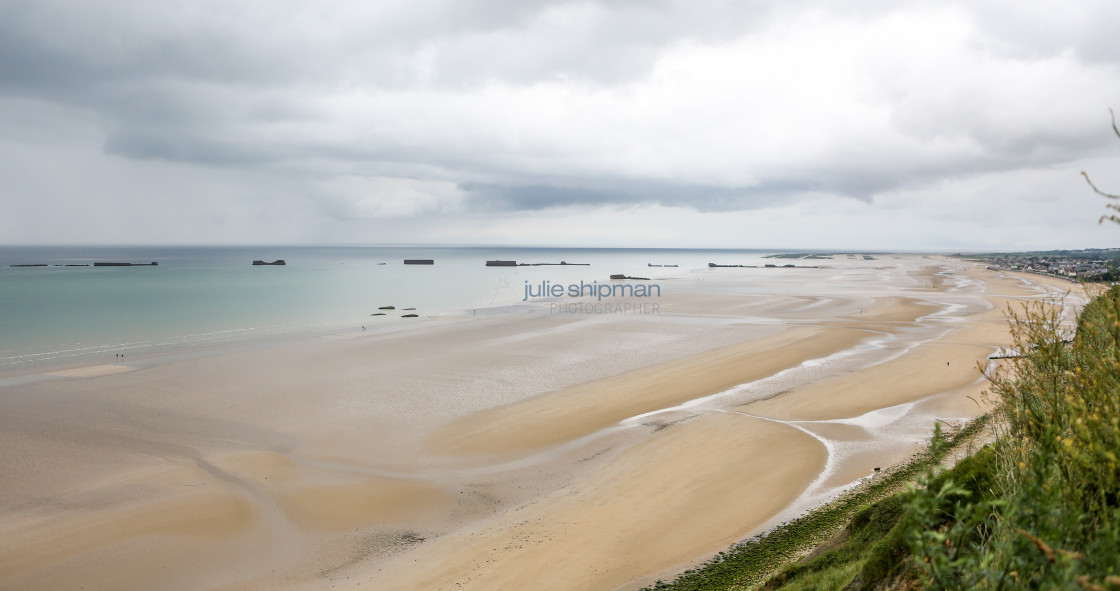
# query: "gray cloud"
[[493, 197], [531, 106]]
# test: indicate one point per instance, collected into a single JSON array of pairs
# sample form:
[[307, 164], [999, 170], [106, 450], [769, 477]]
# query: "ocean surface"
[[212, 296]]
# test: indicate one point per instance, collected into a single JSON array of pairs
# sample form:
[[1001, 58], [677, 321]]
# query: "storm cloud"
[[317, 117]]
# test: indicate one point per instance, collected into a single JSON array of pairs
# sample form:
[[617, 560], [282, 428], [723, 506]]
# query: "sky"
[[861, 124]]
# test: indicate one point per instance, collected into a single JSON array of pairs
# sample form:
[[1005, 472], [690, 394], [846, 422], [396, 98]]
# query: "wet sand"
[[519, 450]]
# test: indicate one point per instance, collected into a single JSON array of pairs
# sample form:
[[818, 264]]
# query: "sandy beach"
[[526, 449]]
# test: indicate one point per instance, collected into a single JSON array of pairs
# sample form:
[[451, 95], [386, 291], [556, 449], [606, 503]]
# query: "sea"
[[69, 312]]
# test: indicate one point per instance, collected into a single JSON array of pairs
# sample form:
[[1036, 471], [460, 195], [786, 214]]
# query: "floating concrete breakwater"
[[97, 264], [629, 277]]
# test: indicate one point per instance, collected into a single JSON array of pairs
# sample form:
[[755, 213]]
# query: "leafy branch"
[[1112, 217]]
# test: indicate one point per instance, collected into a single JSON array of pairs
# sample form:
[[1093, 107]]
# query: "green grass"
[[834, 577], [875, 547], [1037, 509], [751, 563], [1056, 479]]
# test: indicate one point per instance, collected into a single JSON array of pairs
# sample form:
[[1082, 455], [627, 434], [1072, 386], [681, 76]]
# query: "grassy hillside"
[[1037, 509]]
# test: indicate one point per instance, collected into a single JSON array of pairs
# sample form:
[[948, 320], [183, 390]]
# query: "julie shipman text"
[[547, 289]]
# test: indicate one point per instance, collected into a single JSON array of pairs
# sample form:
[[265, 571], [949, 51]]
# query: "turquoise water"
[[202, 296]]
